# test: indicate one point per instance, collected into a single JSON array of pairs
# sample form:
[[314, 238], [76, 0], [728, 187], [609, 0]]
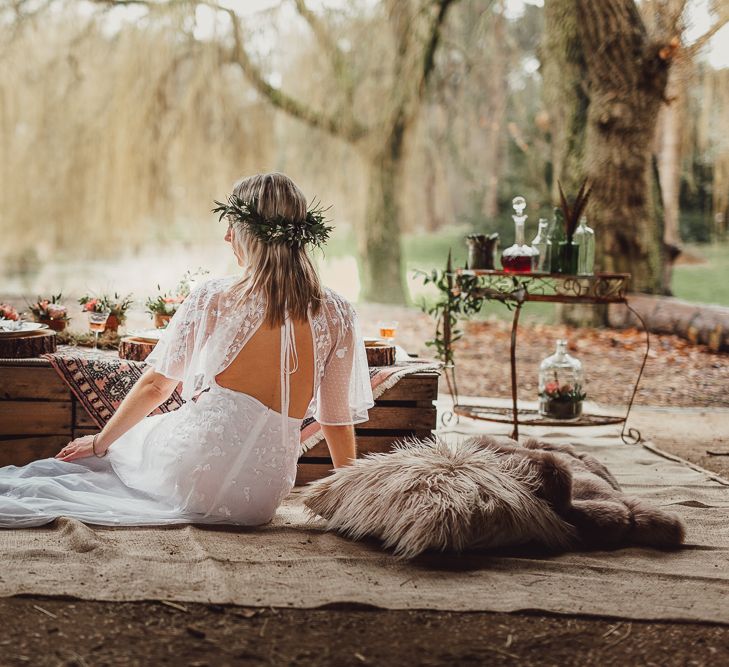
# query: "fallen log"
[[699, 323]]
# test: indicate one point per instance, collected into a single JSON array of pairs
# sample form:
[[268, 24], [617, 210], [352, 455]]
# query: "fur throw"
[[479, 493]]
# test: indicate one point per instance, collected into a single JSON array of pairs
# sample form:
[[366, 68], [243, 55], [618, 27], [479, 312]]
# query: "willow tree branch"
[[337, 58], [344, 127], [432, 44], [702, 41], [322, 34]]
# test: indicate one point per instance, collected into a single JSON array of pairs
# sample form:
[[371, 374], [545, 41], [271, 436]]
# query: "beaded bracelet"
[[93, 447]]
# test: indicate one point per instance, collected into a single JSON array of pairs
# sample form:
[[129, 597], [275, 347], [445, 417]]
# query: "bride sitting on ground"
[[257, 353]]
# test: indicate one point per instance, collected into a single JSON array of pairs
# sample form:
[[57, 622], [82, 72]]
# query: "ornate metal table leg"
[[632, 436], [514, 402]]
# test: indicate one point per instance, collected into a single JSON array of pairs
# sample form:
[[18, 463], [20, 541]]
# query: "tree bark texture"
[[626, 81], [567, 103], [563, 72]]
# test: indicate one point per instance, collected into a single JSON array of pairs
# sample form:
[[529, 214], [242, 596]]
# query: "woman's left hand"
[[77, 449]]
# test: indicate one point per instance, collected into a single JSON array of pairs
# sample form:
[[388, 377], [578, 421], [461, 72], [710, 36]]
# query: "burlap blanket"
[[101, 381], [290, 563]]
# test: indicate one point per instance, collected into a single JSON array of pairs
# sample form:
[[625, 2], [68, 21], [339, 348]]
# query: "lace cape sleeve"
[[174, 353], [344, 394]]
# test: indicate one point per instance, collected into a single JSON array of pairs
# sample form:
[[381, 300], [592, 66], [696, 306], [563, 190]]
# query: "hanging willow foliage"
[[122, 141]]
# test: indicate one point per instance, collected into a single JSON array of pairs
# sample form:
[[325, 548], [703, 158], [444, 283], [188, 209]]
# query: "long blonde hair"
[[285, 275]]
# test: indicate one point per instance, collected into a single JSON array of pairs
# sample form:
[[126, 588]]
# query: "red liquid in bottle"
[[516, 263]]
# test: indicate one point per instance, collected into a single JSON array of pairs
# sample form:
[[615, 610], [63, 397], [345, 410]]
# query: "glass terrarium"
[[561, 385], [519, 257]]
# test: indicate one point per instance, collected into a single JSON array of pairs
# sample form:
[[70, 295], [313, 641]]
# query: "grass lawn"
[[707, 282]]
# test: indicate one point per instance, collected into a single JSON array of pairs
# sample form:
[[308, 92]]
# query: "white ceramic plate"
[[19, 328]]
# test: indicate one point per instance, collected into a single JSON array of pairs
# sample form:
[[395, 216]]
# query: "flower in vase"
[[116, 305], [92, 305], [56, 311]]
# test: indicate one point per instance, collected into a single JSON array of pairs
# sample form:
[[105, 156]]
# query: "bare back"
[[256, 369]]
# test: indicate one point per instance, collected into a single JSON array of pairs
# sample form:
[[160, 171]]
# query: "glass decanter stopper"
[[518, 258], [584, 238], [542, 263], [561, 385]]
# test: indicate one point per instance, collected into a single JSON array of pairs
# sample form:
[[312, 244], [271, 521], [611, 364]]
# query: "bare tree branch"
[[702, 41]]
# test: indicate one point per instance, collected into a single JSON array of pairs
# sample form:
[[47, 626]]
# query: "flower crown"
[[280, 229]]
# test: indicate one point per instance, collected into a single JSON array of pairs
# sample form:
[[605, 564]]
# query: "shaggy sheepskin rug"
[[479, 493]]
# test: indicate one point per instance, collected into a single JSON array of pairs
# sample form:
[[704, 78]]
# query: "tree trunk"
[[626, 79], [381, 269], [495, 114], [670, 154], [563, 72], [671, 119]]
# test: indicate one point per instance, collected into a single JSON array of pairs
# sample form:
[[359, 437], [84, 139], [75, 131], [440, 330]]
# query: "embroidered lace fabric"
[[223, 457]]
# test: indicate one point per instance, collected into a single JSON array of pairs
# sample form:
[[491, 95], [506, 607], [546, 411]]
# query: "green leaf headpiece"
[[310, 231]]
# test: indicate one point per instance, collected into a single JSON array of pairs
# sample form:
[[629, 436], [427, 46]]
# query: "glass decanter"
[[542, 263], [561, 385], [519, 257], [584, 238]]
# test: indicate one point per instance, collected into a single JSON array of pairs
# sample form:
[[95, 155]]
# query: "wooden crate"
[[405, 410], [38, 415]]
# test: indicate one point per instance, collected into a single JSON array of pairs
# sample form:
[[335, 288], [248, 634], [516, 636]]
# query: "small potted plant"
[[561, 401], [163, 307], [117, 306], [50, 312], [561, 382], [7, 312]]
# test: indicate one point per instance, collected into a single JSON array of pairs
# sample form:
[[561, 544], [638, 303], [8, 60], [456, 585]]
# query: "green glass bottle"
[[556, 236]]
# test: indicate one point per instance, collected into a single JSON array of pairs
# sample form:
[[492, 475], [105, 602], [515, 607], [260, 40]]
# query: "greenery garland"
[[312, 230]]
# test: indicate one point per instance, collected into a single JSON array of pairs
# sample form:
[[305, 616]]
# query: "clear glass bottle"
[[584, 238], [561, 385], [542, 263], [518, 258]]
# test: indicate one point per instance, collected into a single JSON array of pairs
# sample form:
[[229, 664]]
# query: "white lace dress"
[[223, 457]]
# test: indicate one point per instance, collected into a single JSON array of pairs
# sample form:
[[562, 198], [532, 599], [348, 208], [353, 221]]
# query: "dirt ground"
[[677, 373], [45, 631]]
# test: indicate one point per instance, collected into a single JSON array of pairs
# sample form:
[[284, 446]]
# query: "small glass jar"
[[561, 385]]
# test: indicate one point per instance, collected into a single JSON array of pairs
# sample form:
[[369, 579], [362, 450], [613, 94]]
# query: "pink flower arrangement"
[[48, 309], [117, 305], [164, 304], [7, 312], [90, 305]]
